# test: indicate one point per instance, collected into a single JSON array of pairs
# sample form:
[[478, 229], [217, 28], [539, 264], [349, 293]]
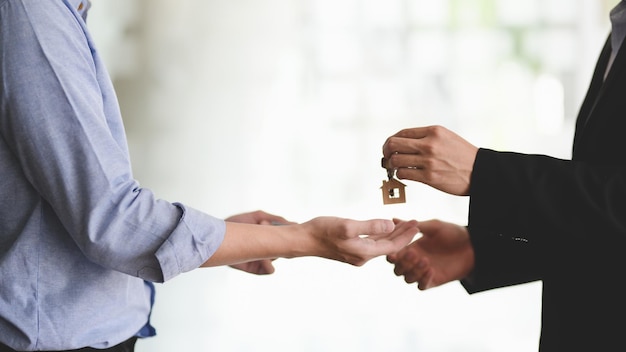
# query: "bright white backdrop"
[[238, 105]]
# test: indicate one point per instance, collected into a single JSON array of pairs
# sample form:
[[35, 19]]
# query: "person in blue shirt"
[[80, 240]]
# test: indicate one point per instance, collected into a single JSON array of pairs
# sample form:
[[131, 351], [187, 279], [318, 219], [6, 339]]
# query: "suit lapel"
[[596, 89]]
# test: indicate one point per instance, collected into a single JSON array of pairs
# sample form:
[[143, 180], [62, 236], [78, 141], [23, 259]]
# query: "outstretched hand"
[[442, 254], [350, 241], [356, 242]]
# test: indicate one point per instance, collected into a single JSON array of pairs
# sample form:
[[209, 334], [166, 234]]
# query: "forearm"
[[535, 196], [248, 242]]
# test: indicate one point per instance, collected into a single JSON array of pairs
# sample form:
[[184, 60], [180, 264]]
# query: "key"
[[393, 190]]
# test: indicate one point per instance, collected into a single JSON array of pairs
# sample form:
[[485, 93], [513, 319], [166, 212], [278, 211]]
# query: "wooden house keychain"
[[393, 190]]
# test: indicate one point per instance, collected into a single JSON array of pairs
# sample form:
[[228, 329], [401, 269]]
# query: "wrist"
[[299, 240]]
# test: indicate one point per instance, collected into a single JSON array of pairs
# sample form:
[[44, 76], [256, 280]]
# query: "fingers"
[[393, 257], [410, 134], [398, 239], [256, 217], [376, 228], [364, 248], [403, 141], [263, 217], [419, 271], [406, 261], [409, 158], [411, 148], [404, 234], [402, 230], [416, 132], [266, 267], [399, 145], [413, 266], [426, 281], [258, 267]]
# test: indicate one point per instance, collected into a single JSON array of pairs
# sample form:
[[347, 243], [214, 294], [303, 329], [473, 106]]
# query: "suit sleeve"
[[525, 207]]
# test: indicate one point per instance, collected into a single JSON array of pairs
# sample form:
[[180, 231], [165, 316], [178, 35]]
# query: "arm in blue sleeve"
[[60, 117]]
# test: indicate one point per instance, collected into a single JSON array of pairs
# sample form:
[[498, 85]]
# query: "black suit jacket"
[[563, 222]]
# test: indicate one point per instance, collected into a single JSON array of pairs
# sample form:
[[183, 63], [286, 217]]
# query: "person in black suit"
[[534, 217]]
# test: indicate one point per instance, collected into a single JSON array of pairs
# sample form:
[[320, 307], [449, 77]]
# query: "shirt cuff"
[[194, 240]]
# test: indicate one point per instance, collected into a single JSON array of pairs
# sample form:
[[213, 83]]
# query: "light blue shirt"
[[78, 235]]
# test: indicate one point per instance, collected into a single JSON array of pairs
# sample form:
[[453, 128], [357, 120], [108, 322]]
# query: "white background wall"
[[238, 105]]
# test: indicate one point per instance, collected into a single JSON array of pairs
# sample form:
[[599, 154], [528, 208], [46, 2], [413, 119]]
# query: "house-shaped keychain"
[[393, 191]]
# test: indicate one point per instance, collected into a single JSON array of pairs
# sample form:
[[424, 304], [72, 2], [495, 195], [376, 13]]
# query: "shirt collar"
[[618, 32], [618, 24]]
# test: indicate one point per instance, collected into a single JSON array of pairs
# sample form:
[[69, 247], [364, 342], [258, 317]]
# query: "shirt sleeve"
[[60, 117]]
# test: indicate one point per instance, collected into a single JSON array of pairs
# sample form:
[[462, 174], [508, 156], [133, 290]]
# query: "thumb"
[[267, 267]]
